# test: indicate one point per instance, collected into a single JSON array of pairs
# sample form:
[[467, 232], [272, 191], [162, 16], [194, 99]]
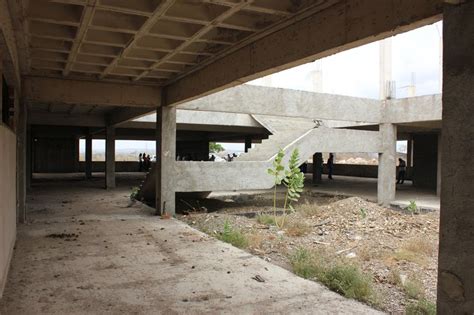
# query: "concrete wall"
[[121, 166], [7, 200], [425, 161], [55, 155]]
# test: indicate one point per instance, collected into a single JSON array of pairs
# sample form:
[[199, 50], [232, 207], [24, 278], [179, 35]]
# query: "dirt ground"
[[396, 248], [87, 250]]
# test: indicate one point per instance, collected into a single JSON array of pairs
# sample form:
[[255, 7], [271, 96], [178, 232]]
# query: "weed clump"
[[347, 280], [413, 289], [421, 307], [233, 237], [266, 219]]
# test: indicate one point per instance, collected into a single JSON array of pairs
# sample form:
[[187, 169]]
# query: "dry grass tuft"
[[297, 228], [309, 210], [420, 245], [255, 241], [415, 250]]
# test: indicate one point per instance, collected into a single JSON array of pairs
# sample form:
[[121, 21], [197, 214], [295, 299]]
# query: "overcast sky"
[[355, 72]]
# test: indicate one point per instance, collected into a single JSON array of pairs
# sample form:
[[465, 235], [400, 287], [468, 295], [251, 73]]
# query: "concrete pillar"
[[21, 170], [165, 162], [29, 156], [110, 158], [248, 144], [88, 157], [317, 168], [456, 241], [386, 183], [1, 87], [438, 168], [410, 152]]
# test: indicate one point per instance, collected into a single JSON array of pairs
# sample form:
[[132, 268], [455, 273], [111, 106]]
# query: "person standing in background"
[[330, 165]]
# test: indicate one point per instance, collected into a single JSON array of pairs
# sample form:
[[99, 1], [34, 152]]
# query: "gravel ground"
[[394, 247]]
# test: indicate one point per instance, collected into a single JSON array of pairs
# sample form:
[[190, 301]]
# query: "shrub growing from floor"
[[421, 307], [345, 279], [233, 237]]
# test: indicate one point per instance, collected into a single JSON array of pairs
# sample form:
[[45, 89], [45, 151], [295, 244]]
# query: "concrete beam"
[[261, 100], [49, 90], [413, 109], [64, 119], [344, 25], [123, 115]]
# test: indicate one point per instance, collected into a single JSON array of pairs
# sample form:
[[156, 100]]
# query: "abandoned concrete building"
[[96, 69]]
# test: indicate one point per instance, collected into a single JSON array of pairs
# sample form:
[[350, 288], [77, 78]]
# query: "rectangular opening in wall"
[[98, 150], [125, 150], [129, 150]]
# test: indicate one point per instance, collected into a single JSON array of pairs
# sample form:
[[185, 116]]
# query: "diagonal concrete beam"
[[344, 25]]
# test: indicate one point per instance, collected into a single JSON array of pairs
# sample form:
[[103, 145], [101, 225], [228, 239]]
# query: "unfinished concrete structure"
[[106, 62]]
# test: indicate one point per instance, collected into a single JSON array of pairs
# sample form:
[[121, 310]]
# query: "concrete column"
[[248, 144], [410, 152], [21, 170], [110, 158], [386, 183], [29, 157], [88, 162], [317, 167], [456, 241], [438, 168], [1, 87], [165, 162]]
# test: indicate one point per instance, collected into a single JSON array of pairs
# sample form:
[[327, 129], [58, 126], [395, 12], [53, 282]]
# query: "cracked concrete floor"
[[102, 257]]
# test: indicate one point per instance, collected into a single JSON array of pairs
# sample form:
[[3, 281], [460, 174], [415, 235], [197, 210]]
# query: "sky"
[[354, 72]]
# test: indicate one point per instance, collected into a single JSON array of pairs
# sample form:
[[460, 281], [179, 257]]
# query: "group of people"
[[144, 162]]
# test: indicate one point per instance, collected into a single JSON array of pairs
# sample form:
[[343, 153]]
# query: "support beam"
[[340, 26], [60, 91], [250, 99], [317, 168], [88, 157], [386, 183], [456, 238], [61, 119], [165, 162], [110, 158]]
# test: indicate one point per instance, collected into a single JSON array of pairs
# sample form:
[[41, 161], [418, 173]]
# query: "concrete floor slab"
[[118, 259]]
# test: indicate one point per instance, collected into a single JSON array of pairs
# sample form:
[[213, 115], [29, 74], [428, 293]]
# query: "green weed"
[[233, 237]]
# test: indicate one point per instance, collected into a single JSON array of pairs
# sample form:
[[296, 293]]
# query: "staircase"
[[284, 131], [248, 171]]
